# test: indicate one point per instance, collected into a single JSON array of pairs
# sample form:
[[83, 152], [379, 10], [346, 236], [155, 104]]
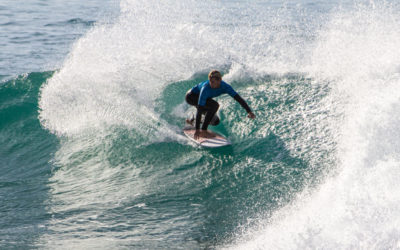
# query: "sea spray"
[[357, 206]]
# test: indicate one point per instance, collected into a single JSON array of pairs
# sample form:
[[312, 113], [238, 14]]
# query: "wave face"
[[95, 155], [358, 205], [26, 151]]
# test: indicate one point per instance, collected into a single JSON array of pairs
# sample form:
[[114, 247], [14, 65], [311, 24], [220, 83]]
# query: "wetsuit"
[[200, 96]]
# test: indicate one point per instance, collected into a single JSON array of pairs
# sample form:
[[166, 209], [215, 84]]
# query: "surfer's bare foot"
[[203, 134], [200, 134], [197, 134]]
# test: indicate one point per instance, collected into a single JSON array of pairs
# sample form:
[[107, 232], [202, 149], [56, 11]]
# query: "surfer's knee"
[[191, 98], [215, 120]]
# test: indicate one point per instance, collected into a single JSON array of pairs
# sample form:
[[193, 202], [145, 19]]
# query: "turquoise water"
[[92, 154]]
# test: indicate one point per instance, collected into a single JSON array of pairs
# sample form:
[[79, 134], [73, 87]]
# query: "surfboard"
[[211, 140]]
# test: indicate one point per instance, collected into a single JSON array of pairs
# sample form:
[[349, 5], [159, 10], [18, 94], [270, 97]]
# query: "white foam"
[[115, 72], [358, 206]]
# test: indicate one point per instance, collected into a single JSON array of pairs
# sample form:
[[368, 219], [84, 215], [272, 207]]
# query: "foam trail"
[[358, 206]]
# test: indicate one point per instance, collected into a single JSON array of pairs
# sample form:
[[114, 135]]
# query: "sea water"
[[92, 154]]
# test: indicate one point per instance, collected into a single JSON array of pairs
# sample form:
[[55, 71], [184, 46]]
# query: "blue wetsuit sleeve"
[[195, 89], [230, 91]]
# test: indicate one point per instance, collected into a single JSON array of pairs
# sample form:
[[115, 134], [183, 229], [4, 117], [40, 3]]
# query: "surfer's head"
[[215, 79]]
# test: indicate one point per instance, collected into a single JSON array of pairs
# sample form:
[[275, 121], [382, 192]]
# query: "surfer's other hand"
[[251, 115]]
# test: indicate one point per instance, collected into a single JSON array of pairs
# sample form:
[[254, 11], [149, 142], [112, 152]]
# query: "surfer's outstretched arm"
[[243, 103]]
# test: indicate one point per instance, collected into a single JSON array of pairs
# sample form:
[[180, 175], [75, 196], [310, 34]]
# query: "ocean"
[[92, 154]]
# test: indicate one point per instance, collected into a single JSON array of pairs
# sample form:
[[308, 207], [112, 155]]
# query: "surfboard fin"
[[190, 121]]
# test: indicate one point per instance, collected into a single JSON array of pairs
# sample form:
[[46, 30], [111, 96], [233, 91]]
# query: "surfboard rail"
[[211, 140]]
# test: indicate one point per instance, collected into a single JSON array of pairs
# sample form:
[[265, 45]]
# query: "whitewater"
[[92, 151]]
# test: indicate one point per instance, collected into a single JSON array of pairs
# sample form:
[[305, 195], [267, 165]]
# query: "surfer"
[[201, 96]]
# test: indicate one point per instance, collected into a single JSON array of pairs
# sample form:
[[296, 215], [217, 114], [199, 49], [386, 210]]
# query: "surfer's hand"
[[251, 115]]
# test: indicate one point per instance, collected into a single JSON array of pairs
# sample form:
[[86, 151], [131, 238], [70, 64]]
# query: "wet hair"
[[214, 74]]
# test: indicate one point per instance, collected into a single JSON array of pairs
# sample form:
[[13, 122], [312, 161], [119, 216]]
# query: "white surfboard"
[[210, 140]]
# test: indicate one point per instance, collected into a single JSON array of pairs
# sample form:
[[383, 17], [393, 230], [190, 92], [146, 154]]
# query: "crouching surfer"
[[201, 96]]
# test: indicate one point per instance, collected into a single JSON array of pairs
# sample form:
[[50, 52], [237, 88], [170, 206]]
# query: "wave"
[[25, 159], [117, 106], [73, 21], [317, 168], [356, 206]]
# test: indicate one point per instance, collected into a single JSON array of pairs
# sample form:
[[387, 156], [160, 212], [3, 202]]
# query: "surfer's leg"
[[214, 120], [211, 107], [191, 99]]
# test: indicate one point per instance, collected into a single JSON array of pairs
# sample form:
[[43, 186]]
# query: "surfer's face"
[[215, 83]]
